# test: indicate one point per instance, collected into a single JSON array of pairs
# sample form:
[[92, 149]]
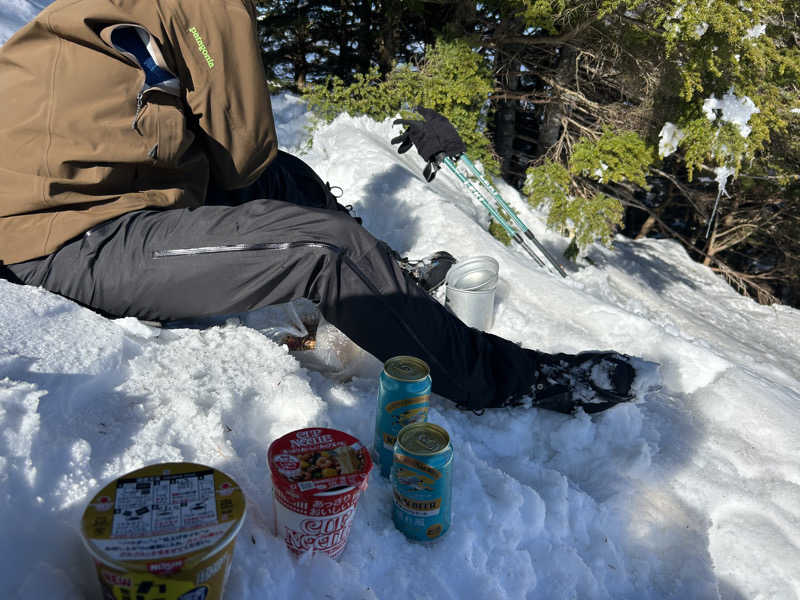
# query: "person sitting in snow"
[[140, 176]]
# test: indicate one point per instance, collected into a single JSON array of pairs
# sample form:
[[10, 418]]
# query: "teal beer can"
[[422, 481], [404, 393]]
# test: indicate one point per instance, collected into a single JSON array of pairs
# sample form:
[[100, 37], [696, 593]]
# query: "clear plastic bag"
[[315, 343], [336, 356]]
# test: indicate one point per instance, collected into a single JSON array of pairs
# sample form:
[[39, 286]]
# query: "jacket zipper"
[[140, 101], [139, 104], [241, 248]]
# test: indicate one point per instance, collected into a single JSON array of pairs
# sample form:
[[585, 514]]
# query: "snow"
[[738, 111], [600, 171], [700, 29], [691, 492], [722, 174], [15, 13], [733, 109], [755, 31], [668, 139]]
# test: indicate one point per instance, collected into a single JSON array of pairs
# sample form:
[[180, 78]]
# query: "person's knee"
[[344, 232], [262, 221]]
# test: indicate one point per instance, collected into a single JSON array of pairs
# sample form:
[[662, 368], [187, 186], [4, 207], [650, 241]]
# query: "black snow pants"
[[283, 238]]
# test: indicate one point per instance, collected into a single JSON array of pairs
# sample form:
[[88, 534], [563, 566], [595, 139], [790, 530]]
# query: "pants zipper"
[[242, 248]]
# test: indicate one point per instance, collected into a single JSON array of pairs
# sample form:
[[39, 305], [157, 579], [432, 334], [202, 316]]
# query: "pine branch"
[[540, 40]]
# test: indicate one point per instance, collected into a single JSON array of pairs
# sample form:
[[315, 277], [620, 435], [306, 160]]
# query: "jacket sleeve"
[[218, 55]]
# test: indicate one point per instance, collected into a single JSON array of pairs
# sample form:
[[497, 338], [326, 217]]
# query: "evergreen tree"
[[614, 113], [294, 47], [592, 75]]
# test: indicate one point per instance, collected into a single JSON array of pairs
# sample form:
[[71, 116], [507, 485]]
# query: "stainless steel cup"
[[470, 290]]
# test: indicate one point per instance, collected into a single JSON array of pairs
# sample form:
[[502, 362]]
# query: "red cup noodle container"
[[318, 475]]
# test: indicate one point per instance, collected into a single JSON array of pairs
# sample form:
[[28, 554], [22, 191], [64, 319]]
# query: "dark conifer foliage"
[[307, 40], [574, 80]]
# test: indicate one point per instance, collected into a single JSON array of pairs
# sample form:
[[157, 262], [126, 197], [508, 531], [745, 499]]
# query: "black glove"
[[435, 137]]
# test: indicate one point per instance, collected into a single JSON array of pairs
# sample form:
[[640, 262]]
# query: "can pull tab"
[[428, 442]]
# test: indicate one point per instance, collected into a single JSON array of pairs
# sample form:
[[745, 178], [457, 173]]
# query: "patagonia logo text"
[[201, 45]]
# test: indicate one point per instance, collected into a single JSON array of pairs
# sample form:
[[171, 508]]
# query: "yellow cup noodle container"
[[164, 532]]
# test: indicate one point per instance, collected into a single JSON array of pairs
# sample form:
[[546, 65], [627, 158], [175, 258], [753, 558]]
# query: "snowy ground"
[[15, 13], [692, 492]]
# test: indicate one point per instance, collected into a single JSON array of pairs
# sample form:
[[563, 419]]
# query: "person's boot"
[[593, 381], [429, 271]]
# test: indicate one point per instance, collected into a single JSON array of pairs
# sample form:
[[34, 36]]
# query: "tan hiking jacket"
[[112, 106]]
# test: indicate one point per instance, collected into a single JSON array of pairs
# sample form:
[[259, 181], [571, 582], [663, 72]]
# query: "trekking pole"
[[522, 227], [494, 212]]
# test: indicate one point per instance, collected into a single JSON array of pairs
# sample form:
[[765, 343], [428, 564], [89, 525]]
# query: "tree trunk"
[[342, 69], [646, 227], [366, 47], [300, 77], [655, 216], [386, 51], [505, 117], [507, 68], [711, 248], [557, 108]]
